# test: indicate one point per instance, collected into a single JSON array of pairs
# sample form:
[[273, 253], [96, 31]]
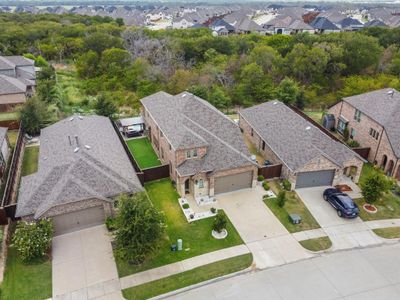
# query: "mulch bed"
[[343, 188]]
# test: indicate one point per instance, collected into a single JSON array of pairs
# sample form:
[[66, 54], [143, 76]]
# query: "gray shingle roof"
[[293, 139], [19, 61], [11, 85], [100, 171], [384, 108], [323, 23], [3, 133], [5, 64], [188, 122]]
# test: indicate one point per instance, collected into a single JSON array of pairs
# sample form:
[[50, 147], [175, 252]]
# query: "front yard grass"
[[388, 206], [26, 281], [317, 244], [178, 281], [12, 137], [196, 236], [30, 161], [388, 233], [293, 205], [143, 152]]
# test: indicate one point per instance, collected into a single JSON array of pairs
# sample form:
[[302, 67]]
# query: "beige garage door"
[[78, 220], [232, 183]]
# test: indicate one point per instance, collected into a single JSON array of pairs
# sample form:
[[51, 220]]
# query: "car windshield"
[[347, 201]]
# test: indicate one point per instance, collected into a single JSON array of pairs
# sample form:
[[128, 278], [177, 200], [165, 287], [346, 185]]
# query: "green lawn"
[[7, 116], [315, 115], [196, 236], [388, 233], [203, 273], [30, 162], [388, 206], [318, 244], [26, 281], [143, 152], [12, 137], [293, 205]]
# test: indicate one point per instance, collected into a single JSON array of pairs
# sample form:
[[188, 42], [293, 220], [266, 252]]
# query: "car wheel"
[[325, 198], [339, 213]]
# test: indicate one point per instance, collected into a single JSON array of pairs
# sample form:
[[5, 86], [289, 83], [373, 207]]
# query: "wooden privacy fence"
[[144, 175], [8, 208], [269, 172], [363, 152], [10, 124]]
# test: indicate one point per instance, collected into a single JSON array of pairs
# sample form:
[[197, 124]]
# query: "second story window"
[[201, 183], [195, 153], [357, 115], [188, 154], [374, 133]]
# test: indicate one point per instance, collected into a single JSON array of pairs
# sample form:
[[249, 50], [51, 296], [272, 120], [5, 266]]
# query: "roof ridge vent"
[[71, 119], [390, 93], [88, 147], [76, 150], [184, 95], [308, 127]]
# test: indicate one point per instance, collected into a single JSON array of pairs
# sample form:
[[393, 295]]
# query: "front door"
[[187, 186]]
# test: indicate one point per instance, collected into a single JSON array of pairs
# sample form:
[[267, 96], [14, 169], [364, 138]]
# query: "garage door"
[[316, 178], [78, 220], [233, 182]]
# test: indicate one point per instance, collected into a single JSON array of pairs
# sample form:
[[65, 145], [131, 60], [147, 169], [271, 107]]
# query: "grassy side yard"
[[388, 233], [293, 205], [253, 150], [315, 115], [12, 137], [30, 161], [388, 206], [6, 116], [203, 273], [143, 152], [26, 282], [196, 236], [318, 244]]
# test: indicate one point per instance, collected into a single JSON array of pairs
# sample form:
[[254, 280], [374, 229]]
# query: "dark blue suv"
[[344, 205]]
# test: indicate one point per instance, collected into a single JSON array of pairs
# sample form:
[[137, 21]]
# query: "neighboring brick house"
[[17, 80], [203, 147], [373, 120], [82, 168], [309, 157]]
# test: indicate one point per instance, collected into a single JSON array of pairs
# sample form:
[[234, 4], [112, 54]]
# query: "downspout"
[[379, 144], [394, 169]]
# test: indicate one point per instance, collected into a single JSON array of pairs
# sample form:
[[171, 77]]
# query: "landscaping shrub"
[[353, 144], [219, 221], [287, 185], [185, 206], [110, 224], [140, 227], [260, 178], [213, 210], [346, 134], [266, 186], [33, 239], [373, 187], [1, 236], [281, 199]]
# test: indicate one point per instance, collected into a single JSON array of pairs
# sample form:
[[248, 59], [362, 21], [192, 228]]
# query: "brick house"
[[203, 147], [309, 157], [373, 120], [82, 168]]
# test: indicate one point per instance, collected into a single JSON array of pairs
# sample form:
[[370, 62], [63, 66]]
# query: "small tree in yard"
[[281, 199], [139, 227], [105, 107], [34, 115], [219, 222], [33, 239], [374, 186]]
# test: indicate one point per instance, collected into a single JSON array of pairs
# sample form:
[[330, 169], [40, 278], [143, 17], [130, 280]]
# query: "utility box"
[[173, 247], [180, 245], [295, 218]]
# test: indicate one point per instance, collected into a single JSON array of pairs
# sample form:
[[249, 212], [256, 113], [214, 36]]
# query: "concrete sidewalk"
[[309, 234], [181, 266], [383, 223]]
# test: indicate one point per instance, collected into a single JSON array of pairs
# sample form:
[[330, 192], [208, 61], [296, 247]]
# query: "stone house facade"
[[356, 115], [191, 158], [290, 150]]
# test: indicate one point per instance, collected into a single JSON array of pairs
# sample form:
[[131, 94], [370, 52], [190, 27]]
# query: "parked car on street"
[[344, 205]]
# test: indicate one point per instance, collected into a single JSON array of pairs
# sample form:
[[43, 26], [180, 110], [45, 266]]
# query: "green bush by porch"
[[143, 152], [196, 236]]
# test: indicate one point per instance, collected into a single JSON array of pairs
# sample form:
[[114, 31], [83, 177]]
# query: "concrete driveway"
[[84, 267], [344, 233], [268, 240]]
